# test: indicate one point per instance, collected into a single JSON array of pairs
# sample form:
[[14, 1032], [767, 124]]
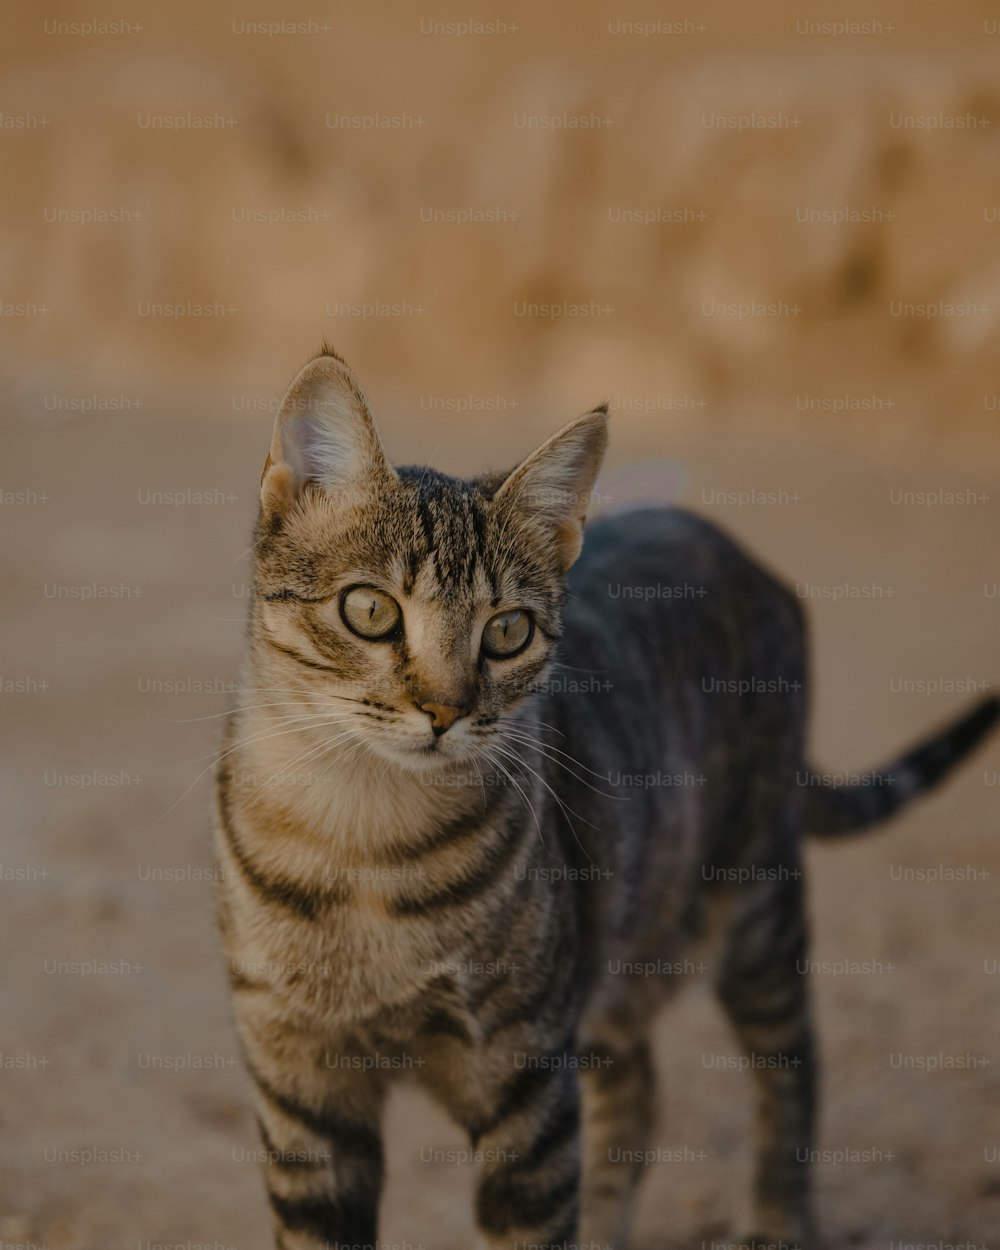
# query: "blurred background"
[[768, 234]]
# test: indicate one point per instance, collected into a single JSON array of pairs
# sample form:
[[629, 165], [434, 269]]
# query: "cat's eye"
[[369, 612], [507, 633]]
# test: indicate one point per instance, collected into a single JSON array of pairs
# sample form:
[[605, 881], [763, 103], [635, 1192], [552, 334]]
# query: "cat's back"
[[665, 553], [655, 576]]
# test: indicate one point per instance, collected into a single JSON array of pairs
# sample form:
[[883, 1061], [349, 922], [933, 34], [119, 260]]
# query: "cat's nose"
[[443, 715]]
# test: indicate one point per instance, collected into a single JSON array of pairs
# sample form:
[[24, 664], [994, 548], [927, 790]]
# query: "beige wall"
[[850, 113]]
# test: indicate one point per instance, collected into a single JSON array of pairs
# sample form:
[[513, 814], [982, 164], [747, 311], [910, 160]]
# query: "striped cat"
[[434, 849]]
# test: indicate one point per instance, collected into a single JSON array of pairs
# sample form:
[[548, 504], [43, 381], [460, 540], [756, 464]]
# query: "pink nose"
[[443, 715]]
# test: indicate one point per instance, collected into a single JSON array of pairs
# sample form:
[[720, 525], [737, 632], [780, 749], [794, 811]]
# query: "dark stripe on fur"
[[440, 1023], [463, 829], [344, 1221], [563, 1125], [507, 1200], [277, 890], [466, 888], [287, 1160], [301, 659], [237, 981], [555, 987], [518, 1093], [426, 522], [349, 1136]]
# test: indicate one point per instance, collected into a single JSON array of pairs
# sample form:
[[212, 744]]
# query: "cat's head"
[[419, 609]]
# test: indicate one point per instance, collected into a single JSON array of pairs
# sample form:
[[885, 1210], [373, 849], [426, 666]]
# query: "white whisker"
[[496, 764], [527, 740], [566, 810]]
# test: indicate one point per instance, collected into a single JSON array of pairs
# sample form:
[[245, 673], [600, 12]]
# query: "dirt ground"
[[124, 1116]]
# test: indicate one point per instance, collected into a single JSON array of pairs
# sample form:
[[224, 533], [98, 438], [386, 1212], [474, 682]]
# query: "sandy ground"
[[105, 858]]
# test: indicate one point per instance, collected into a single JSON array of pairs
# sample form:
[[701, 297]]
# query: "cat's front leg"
[[318, 1110], [529, 1188]]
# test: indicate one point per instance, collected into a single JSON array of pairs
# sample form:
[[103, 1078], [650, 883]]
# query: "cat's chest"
[[356, 959], [386, 906]]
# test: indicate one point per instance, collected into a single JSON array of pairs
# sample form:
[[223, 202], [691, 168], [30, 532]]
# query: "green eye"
[[507, 633], [368, 612]]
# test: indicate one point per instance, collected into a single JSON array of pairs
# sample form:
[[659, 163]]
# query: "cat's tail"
[[833, 811]]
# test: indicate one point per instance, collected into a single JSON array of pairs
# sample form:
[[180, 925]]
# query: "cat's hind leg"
[[765, 995]]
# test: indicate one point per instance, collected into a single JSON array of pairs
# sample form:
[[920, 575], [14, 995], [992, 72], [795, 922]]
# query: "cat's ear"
[[324, 434], [553, 487]]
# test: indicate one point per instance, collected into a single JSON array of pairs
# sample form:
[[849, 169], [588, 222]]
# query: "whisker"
[[298, 761], [245, 707], [278, 720], [573, 668], [566, 810], [544, 747], [326, 694], [496, 764], [542, 723], [482, 783], [235, 747]]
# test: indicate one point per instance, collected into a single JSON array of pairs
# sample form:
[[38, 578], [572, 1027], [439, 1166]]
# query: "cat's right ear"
[[324, 434]]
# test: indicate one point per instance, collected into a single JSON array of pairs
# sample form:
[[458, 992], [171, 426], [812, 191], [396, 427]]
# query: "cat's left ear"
[[554, 486], [324, 434]]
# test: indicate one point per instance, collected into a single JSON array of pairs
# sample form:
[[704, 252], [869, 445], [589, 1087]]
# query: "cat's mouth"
[[415, 755], [444, 748]]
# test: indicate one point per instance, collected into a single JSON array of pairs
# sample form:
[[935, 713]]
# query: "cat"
[[476, 767]]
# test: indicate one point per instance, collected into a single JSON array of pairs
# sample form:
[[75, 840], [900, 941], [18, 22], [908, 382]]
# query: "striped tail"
[[835, 811]]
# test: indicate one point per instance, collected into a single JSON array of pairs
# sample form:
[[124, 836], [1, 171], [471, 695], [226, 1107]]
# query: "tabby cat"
[[434, 849]]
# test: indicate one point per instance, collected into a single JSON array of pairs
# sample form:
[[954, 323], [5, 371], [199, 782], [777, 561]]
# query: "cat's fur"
[[452, 907]]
